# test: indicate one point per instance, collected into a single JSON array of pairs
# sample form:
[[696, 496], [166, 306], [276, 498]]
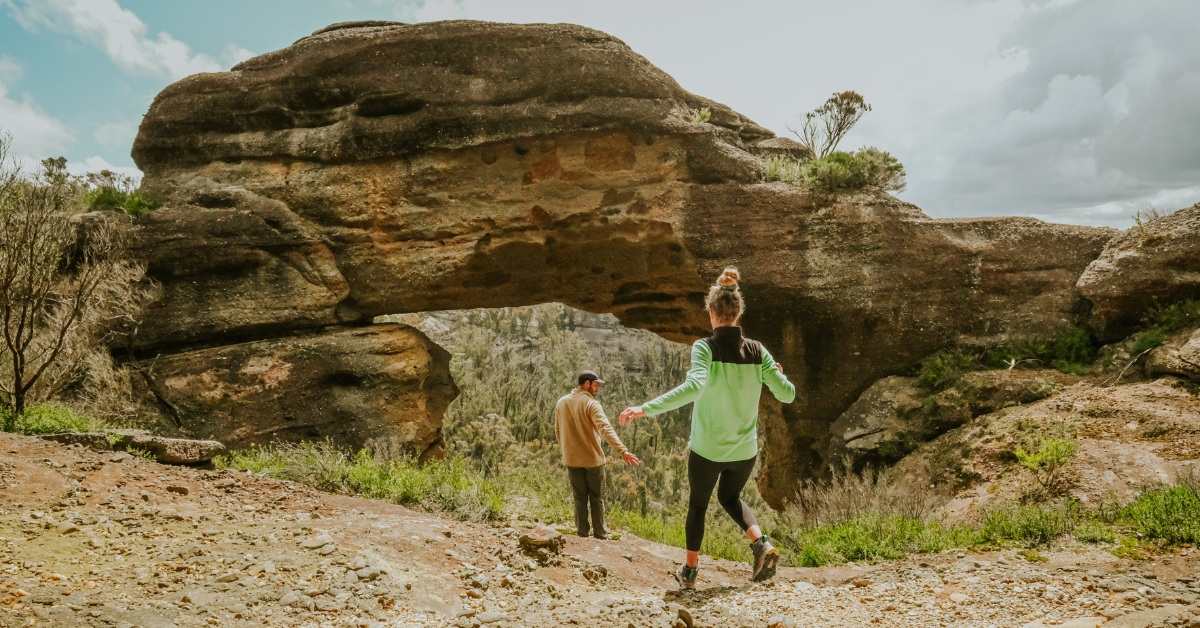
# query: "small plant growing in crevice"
[[944, 368], [700, 116], [784, 169]]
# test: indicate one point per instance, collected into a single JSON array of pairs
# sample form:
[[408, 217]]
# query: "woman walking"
[[725, 382]]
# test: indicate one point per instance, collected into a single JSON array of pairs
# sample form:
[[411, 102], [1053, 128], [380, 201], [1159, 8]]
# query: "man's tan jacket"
[[579, 422]]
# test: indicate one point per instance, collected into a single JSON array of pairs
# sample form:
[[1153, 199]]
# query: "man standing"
[[579, 423]]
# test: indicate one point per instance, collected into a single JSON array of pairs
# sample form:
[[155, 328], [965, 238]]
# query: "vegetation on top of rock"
[[701, 115], [1161, 320], [867, 168], [823, 128], [1148, 212], [111, 191]]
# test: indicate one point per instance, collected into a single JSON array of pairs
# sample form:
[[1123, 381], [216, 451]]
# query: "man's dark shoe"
[[766, 559], [686, 577]]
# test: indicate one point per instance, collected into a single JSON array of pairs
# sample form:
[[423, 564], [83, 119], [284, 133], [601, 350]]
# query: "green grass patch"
[[1166, 513], [51, 418], [1094, 532], [1149, 339], [449, 486], [871, 538], [1031, 526]]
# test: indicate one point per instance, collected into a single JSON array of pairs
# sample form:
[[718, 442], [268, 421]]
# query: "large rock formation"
[[388, 168]]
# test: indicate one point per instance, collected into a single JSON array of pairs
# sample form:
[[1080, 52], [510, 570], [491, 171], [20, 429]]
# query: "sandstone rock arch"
[[388, 168]]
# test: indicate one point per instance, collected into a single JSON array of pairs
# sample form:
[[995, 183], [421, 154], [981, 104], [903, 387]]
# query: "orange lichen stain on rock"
[[545, 168], [270, 371], [609, 153]]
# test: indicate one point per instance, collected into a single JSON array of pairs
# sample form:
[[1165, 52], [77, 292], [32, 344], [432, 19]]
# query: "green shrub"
[[1149, 339], [105, 199], [1051, 456], [1031, 526], [1069, 352], [51, 418], [869, 167], [942, 369], [142, 202], [1173, 317]]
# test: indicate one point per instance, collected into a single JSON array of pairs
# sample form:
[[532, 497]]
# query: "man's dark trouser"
[[588, 485]]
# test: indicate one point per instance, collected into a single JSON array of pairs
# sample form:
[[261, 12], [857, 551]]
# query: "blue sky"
[[1066, 110]]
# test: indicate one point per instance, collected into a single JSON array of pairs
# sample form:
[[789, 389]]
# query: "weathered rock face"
[[383, 386], [387, 169], [1160, 261], [895, 416], [1179, 356]]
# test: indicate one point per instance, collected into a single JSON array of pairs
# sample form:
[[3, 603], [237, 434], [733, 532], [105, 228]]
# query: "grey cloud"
[[1104, 115]]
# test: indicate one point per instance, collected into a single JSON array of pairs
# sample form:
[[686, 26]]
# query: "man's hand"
[[630, 459], [630, 414]]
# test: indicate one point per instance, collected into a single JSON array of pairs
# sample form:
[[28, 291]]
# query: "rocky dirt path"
[[112, 540]]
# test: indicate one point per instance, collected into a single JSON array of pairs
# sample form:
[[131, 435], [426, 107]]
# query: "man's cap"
[[589, 376]]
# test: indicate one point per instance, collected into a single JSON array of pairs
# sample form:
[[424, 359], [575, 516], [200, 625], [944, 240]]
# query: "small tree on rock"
[[824, 127]]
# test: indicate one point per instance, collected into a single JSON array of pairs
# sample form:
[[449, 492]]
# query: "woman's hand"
[[779, 366], [630, 414]]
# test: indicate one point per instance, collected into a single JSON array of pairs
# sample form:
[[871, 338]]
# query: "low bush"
[[1044, 462], [1149, 339], [942, 369], [1174, 316], [51, 418], [866, 168], [1069, 352], [116, 192]]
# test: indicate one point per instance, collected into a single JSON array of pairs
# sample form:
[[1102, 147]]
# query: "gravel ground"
[[112, 541]]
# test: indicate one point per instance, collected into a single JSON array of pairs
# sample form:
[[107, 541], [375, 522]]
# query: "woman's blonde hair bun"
[[729, 278]]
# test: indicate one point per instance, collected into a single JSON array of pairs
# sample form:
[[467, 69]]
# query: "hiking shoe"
[[686, 577], [766, 559]]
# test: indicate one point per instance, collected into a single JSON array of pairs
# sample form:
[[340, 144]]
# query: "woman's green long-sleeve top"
[[725, 382]]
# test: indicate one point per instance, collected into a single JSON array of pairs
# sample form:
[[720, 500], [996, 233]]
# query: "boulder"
[[1157, 261], [377, 169], [542, 540], [172, 450], [1179, 356], [871, 430], [386, 386]]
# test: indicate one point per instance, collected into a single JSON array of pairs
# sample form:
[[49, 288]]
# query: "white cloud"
[[233, 55], [119, 134], [96, 164], [35, 133], [118, 32]]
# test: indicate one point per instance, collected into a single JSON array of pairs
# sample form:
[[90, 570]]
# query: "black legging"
[[703, 475]]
